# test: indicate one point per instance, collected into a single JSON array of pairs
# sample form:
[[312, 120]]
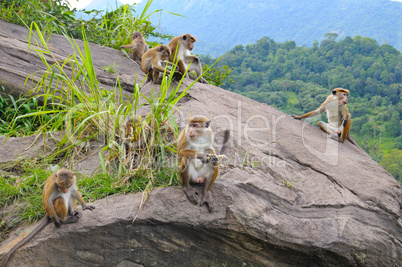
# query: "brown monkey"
[[198, 160], [339, 121], [138, 45], [58, 200], [184, 44], [152, 62]]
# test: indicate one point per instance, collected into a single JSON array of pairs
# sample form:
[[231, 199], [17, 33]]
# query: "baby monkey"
[[58, 199], [138, 45]]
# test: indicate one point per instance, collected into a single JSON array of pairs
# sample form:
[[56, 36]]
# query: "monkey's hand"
[[204, 158], [296, 117], [77, 214], [177, 75], [88, 207], [344, 121], [213, 159]]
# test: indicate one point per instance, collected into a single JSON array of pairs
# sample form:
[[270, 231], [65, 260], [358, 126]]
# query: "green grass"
[[27, 188], [11, 108], [136, 148], [82, 116]]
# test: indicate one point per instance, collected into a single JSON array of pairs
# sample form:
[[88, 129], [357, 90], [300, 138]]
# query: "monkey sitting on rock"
[[198, 160], [183, 44], [339, 122], [154, 62], [138, 45], [58, 199]]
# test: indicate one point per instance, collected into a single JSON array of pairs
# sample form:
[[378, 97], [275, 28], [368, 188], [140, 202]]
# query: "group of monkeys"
[[199, 163], [153, 61]]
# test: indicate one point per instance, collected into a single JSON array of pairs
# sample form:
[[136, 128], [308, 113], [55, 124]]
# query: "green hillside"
[[220, 25], [297, 79]]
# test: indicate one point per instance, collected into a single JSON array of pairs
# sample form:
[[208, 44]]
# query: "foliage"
[[114, 28], [298, 79], [138, 152], [217, 75], [27, 188], [10, 108], [392, 162], [111, 29]]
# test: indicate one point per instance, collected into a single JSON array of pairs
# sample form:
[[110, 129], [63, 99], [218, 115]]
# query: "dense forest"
[[297, 79]]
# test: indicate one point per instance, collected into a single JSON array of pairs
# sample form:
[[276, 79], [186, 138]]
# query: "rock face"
[[16, 64], [289, 196]]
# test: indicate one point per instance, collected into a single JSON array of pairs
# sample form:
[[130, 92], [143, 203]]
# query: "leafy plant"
[[111, 29], [217, 76], [10, 108]]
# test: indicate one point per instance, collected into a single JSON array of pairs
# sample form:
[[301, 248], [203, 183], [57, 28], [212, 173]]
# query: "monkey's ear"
[[208, 123], [55, 174], [184, 37], [334, 92], [160, 49]]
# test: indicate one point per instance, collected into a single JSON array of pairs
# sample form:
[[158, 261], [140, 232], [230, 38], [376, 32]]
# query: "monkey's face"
[[136, 35], [342, 98], [188, 41], [63, 189], [63, 183], [165, 54], [199, 129], [190, 44]]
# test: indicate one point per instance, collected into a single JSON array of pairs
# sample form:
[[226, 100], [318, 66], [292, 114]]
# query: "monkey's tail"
[[226, 136], [353, 142], [23, 241]]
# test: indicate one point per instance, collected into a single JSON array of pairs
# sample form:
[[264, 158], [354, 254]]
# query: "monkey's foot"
[[335, 137], [200, 180], [88, 207], [209, 200], [72, 219], [202, 80], [191, 194]]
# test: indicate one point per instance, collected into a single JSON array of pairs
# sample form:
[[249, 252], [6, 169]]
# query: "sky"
[[83, 3]]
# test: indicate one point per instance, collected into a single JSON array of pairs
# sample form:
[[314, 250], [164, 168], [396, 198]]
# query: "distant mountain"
[[220, 25]]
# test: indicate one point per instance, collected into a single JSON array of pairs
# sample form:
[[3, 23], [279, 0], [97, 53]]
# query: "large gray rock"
[[289, 196], [16, 64]]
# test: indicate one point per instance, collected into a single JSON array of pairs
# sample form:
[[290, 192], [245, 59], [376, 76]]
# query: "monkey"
[[153, 60], [58, 200], [338, 115], [198, 160], [184, 44], [138, 45]]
